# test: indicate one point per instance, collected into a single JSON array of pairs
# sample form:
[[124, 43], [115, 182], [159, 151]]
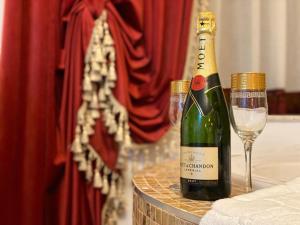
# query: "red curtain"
[[152, 46], [40, 184], [27, 109]]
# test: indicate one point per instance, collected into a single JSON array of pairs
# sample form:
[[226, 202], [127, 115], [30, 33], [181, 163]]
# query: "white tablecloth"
[[276, 160], [277, 205], [275, 154]]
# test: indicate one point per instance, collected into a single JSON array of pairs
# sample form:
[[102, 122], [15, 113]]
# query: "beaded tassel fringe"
[[98, 101]]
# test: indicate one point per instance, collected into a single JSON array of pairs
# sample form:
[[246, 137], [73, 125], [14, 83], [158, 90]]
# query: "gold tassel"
[[89, 171], [95, 113], [96, 39], [82, 165], [96, 67], [84, 138], [88, 129], [97, 179], [96, 31], [112, 54], [77, 130], [115, 109], [112, 127], [107, 90], [98, 54], [103, 70], [127, 139], [108, 41], [107, 117], [76, 145], [92, 154], [78, 157], [94, 103], [95, 77], [105, 188], [121, 117], [107, 50], [87, 59], [87, 96], [87, 68], [103, 105], [100, 30], [80, 113], [99, 163], [87, 85], [101, 95], [112, 72], [89, 119], [119, 134], [111, 84]]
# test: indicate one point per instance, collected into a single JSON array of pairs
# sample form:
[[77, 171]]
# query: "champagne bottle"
[[205, 170]]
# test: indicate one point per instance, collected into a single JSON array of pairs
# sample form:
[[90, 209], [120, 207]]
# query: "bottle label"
[[200, 87], [199, 163], [205, 63], [198, 83]]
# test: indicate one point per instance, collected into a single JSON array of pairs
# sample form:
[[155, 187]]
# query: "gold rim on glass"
[[248, 81], [180, 86]]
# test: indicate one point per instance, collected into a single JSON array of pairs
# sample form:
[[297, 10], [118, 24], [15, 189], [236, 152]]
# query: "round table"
[[157, 199]]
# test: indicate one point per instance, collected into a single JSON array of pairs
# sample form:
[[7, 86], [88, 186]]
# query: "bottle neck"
[[205, 58]]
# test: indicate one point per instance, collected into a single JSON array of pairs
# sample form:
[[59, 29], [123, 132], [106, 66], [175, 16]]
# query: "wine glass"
[[248, 112], [179, 90]]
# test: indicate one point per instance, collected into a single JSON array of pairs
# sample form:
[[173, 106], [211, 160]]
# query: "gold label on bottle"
[[205, 78], [205, 58], [199, 163]]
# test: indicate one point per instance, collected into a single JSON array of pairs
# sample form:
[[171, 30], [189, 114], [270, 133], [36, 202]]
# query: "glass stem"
[[248, 150]]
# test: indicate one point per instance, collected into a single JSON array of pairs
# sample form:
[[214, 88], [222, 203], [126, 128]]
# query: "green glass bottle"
[[205, 170]]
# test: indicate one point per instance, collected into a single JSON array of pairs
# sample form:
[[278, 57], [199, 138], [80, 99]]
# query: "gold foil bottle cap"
[[248, 81], [180, 86], [206, 22]]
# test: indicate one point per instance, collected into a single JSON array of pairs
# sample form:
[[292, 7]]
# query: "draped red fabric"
[[149, 55], [39, 100], [78, 202], [151, 40], [27, 109]]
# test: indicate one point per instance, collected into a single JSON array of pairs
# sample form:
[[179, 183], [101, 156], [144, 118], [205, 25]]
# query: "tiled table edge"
[[152, 187], [180, 213]]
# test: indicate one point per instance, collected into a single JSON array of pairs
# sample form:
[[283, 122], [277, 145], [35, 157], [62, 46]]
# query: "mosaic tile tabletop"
[[158, 187]]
